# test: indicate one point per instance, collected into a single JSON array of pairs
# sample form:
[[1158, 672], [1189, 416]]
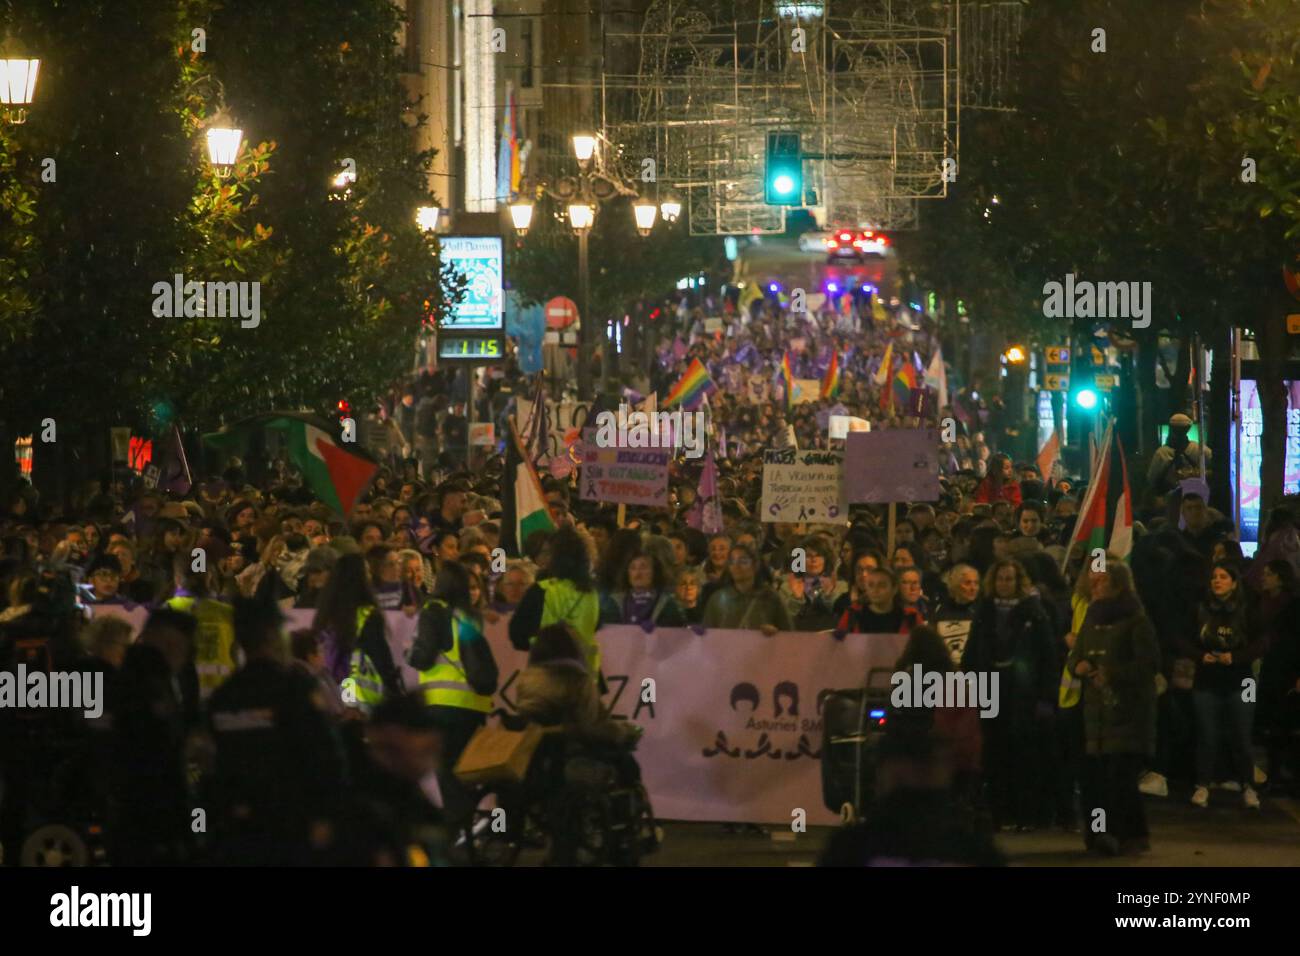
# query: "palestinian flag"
[[336, 474], [1106, 516], [1048, 455], [524, 508], [831, 382]]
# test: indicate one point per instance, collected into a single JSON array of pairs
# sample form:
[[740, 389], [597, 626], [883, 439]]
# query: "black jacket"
[[278, 753], [1026, 654]]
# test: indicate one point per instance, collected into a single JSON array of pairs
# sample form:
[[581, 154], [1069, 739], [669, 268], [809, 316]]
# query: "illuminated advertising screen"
[[1247, 437], [478, 259]]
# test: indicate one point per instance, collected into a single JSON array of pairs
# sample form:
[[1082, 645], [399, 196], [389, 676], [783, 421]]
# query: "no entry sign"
[[561, 313]]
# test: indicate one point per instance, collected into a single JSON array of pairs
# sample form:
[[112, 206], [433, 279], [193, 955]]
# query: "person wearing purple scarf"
[[644, 595]]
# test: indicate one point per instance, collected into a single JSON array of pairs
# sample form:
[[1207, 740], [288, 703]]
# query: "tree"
[[1127, 164], [123, 101]]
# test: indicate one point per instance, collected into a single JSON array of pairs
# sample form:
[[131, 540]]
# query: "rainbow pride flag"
[[691, 388], [904, 382], [831, 382], [787, 376]]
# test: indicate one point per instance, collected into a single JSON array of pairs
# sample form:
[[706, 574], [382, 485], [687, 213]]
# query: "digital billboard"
[[479, 260]]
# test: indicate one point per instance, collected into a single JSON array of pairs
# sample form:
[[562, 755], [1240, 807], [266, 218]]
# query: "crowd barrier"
[[734, 730]]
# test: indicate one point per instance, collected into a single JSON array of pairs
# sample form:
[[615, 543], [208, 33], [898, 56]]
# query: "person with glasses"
[[745, 600]]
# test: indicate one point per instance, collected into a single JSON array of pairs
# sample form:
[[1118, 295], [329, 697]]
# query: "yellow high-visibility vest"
[[445, 684], [214, 640], [565, 604], [366, 682]]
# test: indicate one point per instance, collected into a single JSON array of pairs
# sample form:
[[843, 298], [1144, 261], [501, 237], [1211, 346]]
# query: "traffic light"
[[1086, 398], [784, 179]]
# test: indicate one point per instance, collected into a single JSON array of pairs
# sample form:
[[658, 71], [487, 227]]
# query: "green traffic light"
[[1086, 398]]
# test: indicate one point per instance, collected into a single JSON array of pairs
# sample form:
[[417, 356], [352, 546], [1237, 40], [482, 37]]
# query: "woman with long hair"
[[458, 672], [1116, 655], [643, 595], [1225, 646], [1012, 638], [565, 595], [353, 636], [1000, 484]]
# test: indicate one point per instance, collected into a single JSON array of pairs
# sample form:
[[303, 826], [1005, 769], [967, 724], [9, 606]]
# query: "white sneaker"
[[1232, 785], [1250, 799], [1153, 784], [1201, 797]]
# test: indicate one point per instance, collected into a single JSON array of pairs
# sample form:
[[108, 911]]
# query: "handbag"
[[495, 755]]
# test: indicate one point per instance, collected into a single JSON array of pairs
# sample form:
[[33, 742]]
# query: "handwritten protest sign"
[[900, 464], [803, 486], [631, 476], [806, 390]]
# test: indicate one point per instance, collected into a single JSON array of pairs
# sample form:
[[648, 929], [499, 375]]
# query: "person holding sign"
[[744, 599]]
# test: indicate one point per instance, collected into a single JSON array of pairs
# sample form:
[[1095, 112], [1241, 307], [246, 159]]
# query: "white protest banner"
[[735, 729], [482, 433], [803, 486], [563, 418], [894, 465], [712, 326], [632, 476]]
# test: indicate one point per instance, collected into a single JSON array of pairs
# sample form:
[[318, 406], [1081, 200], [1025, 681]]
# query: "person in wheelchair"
[[587, 754]]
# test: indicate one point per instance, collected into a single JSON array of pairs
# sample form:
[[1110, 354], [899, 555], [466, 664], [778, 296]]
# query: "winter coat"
[[1118, 638], [1026, 655], [728, 608], [812, 612], [666, 612], [562, 693], [1224, 626]]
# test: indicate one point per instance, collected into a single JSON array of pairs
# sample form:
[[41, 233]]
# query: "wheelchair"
[[582, 802]]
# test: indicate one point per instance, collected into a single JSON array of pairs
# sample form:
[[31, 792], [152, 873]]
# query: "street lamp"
[[426, 217], [521, 215], [17, 86], [1015, 355], [223, 148], [645, 212], [584, 147], [670, 208], [581, 216]]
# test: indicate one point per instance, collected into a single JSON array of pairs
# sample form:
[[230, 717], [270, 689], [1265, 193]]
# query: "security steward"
[[279, 771], [458, 673], [214, 640]]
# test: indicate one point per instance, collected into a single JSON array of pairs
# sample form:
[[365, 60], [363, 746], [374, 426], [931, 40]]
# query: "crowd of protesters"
[[1119, 676]]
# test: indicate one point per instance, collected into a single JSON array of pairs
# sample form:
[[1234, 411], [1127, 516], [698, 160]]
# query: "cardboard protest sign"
[[631, 476], [806, 390], [900, 464], [803, 486]]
